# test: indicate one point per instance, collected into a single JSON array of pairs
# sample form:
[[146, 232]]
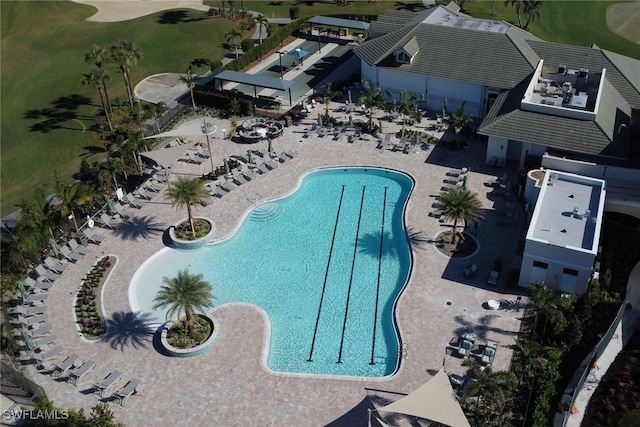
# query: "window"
[[403, 57], [540, 264], [570, 271]]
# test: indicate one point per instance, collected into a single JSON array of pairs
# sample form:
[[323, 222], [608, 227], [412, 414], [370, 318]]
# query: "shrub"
[[294, 12], [247, 45]]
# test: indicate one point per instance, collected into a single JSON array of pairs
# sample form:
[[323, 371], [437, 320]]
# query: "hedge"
[[222, 101]]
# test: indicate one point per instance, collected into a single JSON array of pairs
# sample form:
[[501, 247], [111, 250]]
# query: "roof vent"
[[562, 69]]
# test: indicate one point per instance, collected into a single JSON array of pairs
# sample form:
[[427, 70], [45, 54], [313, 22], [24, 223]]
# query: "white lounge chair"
[[46, 275], [145, 194], [152, 186], [202, 152], [26, 310], [68, 254], [48, 355], [238, 178], [71, 361], [40, 331], [134, 201], [54, 265], [42, 283], [109, 222], [32, 320], [75, 375], [291, 153], [122, 211], [92, 236], [77, 247], [193, 159], [272, 164], [132, 387], [44, 341], [29, 297], [103, 385]]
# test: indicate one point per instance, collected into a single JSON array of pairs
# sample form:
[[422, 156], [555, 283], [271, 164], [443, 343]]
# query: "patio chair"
[[47, 355], [92, 236], [134, 201], [488, 355], [493, 278], [155, 187], [132, 387], [77, 247], [272, 165], [262, 152], [311, 130], [103, 385], [29, 297], [290, 153], [33, 320], [60, 369], [68, 254], [42, 283], [238, 178], [385, 142], [215, 191], [247, 172], [109, 222], [46, 275], [122, 211], [26, 310], [227, 186], [76, 374], [161, 175], [43, 342], [145, 194], [465, 348], [193, 159], [54, 265], [202, 152], [42, 330], [470, 270], [262, 168]]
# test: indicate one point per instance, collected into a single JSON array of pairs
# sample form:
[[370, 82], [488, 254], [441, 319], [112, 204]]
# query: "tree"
[[458, 121], [185, 192], [113, 167], [234, 39], [190, 80], [517, 4], [97, 79], [460, 204], [405, 107], [72, 198], [97, 56], [262, 22], [126, 54], [184, 293], [372, 97], [532, 9], [247, 44], [294, 12], [327, 94]]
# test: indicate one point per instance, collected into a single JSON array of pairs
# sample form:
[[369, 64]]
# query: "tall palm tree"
[[72, 198], [405, 107], [234, 39], [190, 80], [458, 121], [97, 56], [262, 22], [126, 54], [185, 192], [372, 96], [97, 79], [460, 204], [517, 4], [184, 293], [532, 10], [327, 94]]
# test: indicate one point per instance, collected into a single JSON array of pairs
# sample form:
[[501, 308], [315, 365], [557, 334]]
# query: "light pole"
[[208, 128], [280, 57]]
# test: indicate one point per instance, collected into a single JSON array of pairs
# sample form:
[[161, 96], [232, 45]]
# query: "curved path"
[[230, 384]]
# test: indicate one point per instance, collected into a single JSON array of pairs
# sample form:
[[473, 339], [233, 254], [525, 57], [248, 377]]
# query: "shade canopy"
[[166, 156], [339, 22], [433, 401], [298, 53]]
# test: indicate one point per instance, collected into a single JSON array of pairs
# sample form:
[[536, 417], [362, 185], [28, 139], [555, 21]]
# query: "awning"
[[339, 22], [166, 156], [433, 401]]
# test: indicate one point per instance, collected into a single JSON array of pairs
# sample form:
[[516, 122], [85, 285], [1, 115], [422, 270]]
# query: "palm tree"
[[126, 54], [405, 107], [190, 80], [97, 78], [262, 22], [326, 95], [97, 56], [113, 167], [532, 10], [234, 39], [460, 204], [372, 97], [187, 192], [518, 5], [185, 292], [458, 121], [72, 198]]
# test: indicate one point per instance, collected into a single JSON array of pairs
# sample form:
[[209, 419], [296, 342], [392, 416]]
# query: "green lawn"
[[46, 112]]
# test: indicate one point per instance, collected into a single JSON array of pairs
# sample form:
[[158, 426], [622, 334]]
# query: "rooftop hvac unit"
[[584, 72], [562, 69]]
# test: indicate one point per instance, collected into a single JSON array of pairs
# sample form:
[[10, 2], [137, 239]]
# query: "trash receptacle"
[[287, 121]]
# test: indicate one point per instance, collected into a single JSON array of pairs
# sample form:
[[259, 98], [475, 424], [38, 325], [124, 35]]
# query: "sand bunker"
[[123, 10]]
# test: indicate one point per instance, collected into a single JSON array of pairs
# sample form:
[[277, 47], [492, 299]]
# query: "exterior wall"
[[496, 148], [367, 72], [557, 259]]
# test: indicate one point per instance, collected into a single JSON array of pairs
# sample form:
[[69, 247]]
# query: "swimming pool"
[[315, 262]]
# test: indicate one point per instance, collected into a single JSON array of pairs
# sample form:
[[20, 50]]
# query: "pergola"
[[255, 81]]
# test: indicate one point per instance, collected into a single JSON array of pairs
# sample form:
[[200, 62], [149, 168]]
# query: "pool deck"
[[230, 385]]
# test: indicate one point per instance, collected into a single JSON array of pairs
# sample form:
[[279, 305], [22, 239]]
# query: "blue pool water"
[[315, 262]]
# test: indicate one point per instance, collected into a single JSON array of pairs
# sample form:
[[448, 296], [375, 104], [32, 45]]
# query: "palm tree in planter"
[[373, 96], [460, 204], [184, 293], [458, 121], [186, 191]]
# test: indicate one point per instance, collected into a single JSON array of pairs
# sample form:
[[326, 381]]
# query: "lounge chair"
[[75, 375], [46, 275], [68, 254], [148, 195], [54, 265], [93, 237], [42, 330], [122, 211], [132, 387], [32, 320], [262, 168], [77, 247], [47, 355], [44, 341], [227, 186], [26, 310], [29, 298], [493, 278], [272, 165], [238, 178], [103, 385], [384, 143], [42, 283], [202, 152], [247, 172], [161, 176], [71, 361], [134, 201], [488, 355], [470, 270], [290, 153], [262, 152], [310, 131], [152, 186], [465, 348], [215, 191], [109, 222], [193, 159]]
